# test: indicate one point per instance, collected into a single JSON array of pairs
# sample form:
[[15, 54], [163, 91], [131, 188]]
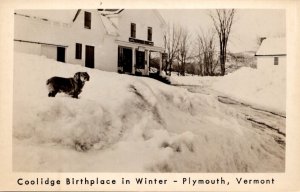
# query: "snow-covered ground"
[[202, 81], [261, 89], [129, 124]]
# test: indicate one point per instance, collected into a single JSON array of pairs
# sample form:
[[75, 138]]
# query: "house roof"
[[69, 16], [162, 20], [272, 47], [63, 16], [110, 11], [110, 28]]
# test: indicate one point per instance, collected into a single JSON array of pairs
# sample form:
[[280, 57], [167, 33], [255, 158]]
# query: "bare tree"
[[206, 52], [191, 68], [172, 36], [223, 20], [183, 50]]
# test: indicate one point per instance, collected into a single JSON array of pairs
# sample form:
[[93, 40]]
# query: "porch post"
[[133, 61], [147, 62], [160, 62]]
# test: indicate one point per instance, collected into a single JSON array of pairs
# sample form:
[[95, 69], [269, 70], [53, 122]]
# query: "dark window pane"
[[61, 52], [87, 20], [78, 51], [149, 33], [275, 60], [133, 30]]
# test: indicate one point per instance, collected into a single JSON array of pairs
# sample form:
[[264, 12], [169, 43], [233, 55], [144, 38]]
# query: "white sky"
[[249, 24]]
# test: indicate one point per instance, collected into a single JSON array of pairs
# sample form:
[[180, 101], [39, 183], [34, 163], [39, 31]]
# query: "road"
[[265, 122]]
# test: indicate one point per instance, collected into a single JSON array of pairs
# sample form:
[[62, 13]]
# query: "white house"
[[140, 32], [271, 54], [110, 40]]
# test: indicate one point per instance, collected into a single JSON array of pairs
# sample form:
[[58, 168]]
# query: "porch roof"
[[136, 45]]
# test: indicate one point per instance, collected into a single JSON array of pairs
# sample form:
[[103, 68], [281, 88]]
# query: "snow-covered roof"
[[108, 17], [160, 17], [110, 28], [272, 47], [68, 16], [109, 24], [110, 11], [63, 16]]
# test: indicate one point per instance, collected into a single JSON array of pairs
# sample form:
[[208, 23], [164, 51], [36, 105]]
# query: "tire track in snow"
[[265, 121]]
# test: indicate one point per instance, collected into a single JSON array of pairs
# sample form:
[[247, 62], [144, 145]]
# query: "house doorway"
[[125, 59], [61, 54], [140, 60], [89, 56]]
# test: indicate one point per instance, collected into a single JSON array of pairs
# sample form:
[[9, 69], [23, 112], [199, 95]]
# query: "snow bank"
[[122, 123], [202, 81], [263, 89]]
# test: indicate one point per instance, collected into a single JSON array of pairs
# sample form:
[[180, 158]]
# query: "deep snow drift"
[[122, 123], [261, 89]]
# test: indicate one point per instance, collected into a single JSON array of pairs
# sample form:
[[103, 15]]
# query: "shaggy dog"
[[70, 86]]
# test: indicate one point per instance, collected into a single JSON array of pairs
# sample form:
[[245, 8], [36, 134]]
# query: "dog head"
[[82, 76]]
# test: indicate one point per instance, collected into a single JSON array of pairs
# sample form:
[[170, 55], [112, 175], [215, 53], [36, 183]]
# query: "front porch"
[[134, 58]]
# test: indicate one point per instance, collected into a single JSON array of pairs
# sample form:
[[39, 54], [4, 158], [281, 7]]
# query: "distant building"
[[110, 40], [272, 54]]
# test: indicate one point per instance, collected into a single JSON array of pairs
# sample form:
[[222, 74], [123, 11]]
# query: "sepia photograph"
[[149, 90]]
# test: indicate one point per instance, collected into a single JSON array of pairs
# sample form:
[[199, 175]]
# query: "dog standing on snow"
[[71, 86]]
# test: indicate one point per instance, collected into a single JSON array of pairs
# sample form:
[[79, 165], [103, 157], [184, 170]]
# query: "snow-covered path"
[[267, 122]]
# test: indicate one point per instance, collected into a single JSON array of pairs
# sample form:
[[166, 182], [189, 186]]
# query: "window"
[[78, 51], [87, 20], [61, 53], [149, 33], [133, 30], [275, 60]]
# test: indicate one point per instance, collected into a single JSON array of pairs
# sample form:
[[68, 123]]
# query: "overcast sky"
[[249, 24]]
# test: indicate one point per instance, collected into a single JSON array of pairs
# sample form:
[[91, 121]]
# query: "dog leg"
[[75, 96], [52, 94]]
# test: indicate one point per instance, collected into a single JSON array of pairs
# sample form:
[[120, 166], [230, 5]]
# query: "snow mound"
[[122, 123], [203, 81], [263, 89]]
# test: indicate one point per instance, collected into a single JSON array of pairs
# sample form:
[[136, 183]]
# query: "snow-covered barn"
[[272, 54], [111, 40]]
